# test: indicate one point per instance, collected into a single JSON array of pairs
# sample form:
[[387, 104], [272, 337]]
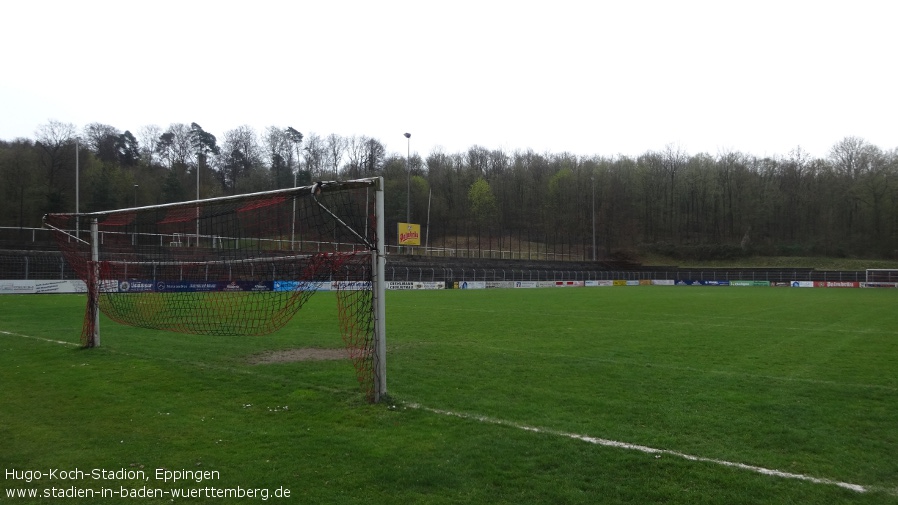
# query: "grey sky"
[[604, 78]]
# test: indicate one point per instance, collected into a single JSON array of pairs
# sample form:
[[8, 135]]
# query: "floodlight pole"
[[198, 160], [77, 190], [293, 223], [427, 230], [593, 217], [134, 234], [408, 179], [296, 138]]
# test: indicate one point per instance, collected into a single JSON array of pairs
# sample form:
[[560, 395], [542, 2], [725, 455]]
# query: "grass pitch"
[[590, 395]]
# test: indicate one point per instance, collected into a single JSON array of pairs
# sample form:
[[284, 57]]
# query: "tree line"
[[696, 206]]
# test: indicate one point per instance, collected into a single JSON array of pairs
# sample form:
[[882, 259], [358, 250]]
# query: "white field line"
[[651, 450], [12, 334]]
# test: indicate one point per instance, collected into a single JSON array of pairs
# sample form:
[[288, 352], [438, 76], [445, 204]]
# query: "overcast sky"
[[585, 77]]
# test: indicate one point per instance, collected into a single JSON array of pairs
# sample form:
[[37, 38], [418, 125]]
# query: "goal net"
[[881, 278], [241, 265]]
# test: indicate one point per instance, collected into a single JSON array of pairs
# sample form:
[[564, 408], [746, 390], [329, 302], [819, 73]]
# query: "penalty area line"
[[651, 450], [13, 334]]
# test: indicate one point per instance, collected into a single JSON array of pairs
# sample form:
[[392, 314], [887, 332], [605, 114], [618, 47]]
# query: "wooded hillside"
[[717, 205]]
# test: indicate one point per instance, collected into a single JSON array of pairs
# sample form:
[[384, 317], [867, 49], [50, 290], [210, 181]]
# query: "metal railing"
[[51, 265], [434, 273], [492, 254], [41, 238]]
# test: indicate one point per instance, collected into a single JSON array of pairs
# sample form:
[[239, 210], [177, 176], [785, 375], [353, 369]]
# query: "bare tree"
[[174, 146], [242, 161], [101, 139], [365, 156], [850, 156], [147, 138], [851, 159], [17, 179], [335, 148], [278, 148], [355, 154], [315, 154], [375, 154], [56, 150]]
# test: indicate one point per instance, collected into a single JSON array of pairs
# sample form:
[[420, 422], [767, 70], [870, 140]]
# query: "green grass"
[[797, 380]]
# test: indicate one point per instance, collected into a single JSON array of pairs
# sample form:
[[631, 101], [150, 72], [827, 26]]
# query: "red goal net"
[[242, 265]]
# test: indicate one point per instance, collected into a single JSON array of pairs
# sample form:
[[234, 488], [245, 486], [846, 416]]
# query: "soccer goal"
[[881, 278], [239, 265]]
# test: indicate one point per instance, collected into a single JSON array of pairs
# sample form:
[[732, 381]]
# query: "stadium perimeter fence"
[[39, 265]]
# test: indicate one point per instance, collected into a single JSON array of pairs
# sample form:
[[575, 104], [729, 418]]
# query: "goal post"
[[239, 265], [90, 331], [881, 278], [379, 257]]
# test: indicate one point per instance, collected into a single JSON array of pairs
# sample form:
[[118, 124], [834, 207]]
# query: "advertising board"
[[409, 234], [29, 287], [837, 284], [750, 283], [416, 285]]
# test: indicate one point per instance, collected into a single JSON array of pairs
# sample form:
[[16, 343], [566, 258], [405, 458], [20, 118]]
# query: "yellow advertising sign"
[[409, 234]]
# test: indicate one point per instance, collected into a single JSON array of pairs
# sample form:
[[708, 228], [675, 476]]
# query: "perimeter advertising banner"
[[142, 286], [27, 287], [750, 283], [410, 285], [693, 282], [836, 284], [409, 234]]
